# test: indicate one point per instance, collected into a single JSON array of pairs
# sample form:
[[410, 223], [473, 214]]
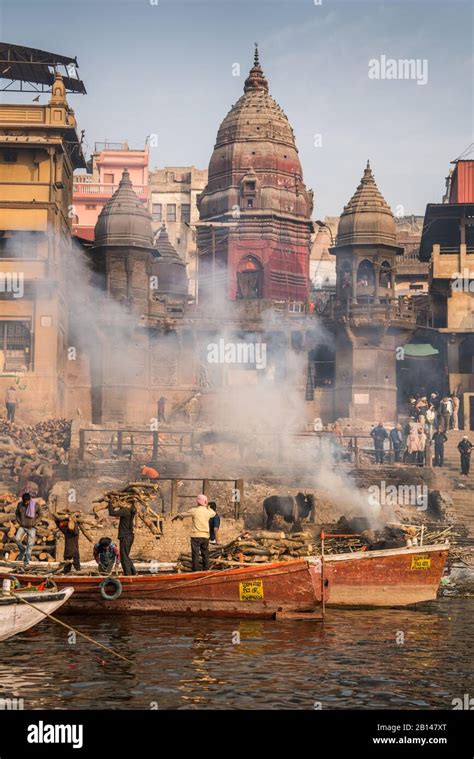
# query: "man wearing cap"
[[200, 515]]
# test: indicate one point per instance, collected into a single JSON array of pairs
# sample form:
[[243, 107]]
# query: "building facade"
[[173, 194], [39, 150], [447, 246], [93, 189]]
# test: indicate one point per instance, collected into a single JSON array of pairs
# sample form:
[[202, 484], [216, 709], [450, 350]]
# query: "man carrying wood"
[[200, 515], [126, 515], [27, 514], [70, 530]]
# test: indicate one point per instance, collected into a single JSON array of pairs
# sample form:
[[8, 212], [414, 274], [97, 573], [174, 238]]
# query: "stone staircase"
[[448, 478]]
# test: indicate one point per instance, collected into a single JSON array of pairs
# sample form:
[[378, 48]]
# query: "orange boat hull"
[[258, 591], [392, 577]]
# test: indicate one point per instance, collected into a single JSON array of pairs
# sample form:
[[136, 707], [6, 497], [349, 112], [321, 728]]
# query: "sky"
[[166, 68]]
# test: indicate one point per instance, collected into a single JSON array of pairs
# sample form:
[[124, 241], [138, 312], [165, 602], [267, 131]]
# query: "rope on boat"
[[74, 629]]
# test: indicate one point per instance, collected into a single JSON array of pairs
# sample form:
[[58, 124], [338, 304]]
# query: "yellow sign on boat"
[[251, 590], [421, 562]]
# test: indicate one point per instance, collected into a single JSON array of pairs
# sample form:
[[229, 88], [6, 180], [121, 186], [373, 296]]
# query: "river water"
[[387, 659]]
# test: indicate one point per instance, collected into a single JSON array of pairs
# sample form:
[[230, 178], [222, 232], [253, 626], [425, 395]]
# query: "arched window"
[[345, 281], [384, 276], [365, 278], [249, 278]]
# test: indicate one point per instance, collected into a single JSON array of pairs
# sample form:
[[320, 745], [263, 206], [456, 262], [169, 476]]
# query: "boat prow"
[[17, 616], [389, 577]]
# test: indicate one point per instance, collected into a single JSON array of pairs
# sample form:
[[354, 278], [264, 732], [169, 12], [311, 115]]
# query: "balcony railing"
[[85, 188], [371, 309]]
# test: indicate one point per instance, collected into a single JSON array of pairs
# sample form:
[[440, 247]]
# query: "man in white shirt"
[[200, 515]]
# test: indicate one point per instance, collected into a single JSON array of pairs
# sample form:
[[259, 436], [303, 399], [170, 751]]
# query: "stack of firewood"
[[45, 441], [255, 547], [45, 543]]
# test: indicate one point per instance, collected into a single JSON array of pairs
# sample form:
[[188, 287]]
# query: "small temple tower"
[[123, 245], [371, 322], [255, 211], [169, 268]]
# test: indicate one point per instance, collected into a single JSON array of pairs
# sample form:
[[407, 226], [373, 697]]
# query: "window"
[[20, 244], [108, 178], [171, 212], [10, 156], [185, 213], [249, 202], [15, 344], [157, 211], [250, 186]]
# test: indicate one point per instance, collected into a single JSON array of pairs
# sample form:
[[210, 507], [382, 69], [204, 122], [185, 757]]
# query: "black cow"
[[293, 510]]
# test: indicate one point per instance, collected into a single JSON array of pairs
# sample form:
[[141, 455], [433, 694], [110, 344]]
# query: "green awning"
[[420, 350]]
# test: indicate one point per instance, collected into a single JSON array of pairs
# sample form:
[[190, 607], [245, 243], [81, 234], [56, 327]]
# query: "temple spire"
[[256, 60], [256, 80]]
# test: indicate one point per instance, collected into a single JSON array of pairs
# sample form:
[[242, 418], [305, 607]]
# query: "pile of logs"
[[43, 442], [253, 548], [45, 544], [141, 494]]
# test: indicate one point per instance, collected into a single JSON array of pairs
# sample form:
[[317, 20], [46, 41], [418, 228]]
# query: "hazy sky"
[[166, 69]]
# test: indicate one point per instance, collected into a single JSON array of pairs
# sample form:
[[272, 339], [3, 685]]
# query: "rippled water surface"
[[352, 661]]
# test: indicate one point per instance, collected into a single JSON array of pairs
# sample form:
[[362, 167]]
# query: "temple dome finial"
[[256, 79]]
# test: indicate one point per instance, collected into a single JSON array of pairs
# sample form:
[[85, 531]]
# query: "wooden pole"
[[238, 505], [174, 497]]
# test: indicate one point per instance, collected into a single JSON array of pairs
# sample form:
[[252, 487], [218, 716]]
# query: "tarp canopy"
[[420, 350]]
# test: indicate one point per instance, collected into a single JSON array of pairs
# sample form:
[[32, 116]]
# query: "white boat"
[[17, 616]]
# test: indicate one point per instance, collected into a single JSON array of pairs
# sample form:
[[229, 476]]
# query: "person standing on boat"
[[200, 532], [214, 524], [106, 555], [379, 435], [70, 530], [126, 515], [27, 514]]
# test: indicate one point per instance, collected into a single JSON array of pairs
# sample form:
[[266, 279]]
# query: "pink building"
[[93, 190]]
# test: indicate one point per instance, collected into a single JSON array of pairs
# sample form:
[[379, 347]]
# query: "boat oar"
[[74, 629]]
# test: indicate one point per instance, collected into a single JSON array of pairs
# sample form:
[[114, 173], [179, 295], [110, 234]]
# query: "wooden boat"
[[260, 591], [390, 577], [16, 616]]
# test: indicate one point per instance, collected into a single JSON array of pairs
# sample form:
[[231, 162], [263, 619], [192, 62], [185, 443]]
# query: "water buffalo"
[[293, 510]]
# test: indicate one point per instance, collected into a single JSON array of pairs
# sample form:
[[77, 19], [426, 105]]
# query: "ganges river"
[[386, 659]]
